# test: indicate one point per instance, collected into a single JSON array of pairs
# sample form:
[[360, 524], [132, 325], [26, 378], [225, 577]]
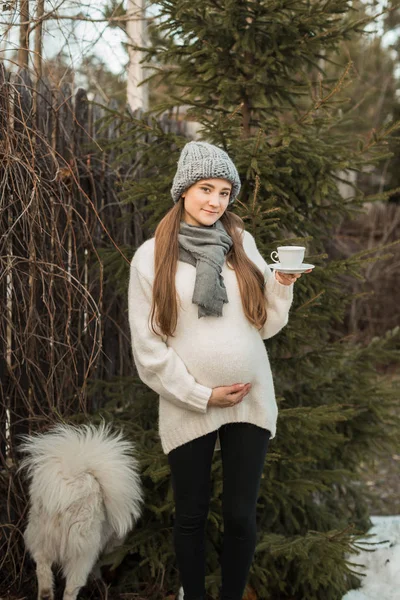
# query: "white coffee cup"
[[289, 256]]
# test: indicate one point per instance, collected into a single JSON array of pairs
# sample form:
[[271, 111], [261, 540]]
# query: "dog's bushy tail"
[[60, 457]]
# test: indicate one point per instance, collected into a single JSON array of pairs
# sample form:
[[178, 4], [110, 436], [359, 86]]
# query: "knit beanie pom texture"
[[200, 160]]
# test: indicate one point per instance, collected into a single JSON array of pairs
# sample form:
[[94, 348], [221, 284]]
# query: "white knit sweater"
[[205, 353]]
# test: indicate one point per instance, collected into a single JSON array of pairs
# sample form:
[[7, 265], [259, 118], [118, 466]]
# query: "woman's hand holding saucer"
[[288, 264], [288, 278]]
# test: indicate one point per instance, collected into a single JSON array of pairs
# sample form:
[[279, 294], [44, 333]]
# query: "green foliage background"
[[257, 75]]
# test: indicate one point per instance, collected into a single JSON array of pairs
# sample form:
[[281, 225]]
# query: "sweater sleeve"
[[278, 298], [158, 365]]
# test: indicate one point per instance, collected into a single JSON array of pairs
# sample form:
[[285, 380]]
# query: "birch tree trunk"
[[137, 97]]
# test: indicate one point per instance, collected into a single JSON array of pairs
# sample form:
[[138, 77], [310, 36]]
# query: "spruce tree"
[[250, 72]]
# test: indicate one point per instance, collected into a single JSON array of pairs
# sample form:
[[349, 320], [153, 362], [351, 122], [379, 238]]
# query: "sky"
[[75, 39], [78, 39], [109, 45]]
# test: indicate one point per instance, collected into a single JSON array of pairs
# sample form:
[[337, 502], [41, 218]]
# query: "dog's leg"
[[76, 573], [44, 577]]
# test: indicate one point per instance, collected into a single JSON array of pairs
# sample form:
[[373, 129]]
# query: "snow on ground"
[[382, 567]]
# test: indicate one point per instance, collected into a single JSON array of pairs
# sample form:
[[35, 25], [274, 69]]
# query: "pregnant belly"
[[213, 363]]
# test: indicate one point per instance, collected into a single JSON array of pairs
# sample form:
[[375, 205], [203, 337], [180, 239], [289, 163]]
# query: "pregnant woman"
[[201, 301]]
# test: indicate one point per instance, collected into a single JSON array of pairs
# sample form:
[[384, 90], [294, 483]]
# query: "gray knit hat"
[[200, 160]]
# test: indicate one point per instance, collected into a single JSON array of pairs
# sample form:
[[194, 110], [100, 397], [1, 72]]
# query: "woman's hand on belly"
[[228, 395]]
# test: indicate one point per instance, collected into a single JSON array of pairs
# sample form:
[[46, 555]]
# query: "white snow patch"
[[382, 567]]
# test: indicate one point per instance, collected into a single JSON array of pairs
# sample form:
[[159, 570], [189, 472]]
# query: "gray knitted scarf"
[[205, 248]]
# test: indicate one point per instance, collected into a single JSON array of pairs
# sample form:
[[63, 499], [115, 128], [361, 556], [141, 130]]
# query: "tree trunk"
[[23, 51], [136, 30], [38, 39]]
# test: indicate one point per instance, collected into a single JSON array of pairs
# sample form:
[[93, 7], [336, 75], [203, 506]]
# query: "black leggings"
[[243, 450]]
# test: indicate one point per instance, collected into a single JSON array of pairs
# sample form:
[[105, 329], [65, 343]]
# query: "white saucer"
[[300, 269]]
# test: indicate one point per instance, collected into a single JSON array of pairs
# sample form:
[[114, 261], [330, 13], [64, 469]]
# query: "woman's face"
[[205, 201]]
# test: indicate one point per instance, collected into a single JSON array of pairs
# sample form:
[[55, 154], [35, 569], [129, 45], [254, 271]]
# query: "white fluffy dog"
[[85, 494]]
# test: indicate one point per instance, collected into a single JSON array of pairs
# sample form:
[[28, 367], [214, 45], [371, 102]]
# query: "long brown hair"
[[164, 309]]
